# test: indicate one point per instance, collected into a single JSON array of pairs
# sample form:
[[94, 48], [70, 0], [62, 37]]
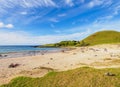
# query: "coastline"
[[30, 53], [99, 56]]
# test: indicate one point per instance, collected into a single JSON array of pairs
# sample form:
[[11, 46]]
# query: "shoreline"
[[30, 53], [100, 56]]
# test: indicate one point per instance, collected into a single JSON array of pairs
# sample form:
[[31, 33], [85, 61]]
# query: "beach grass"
[[80, 77]]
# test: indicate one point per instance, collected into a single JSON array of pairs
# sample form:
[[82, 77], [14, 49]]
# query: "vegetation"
[[70, 43], [102, 37], [67, 44], [81, 77]]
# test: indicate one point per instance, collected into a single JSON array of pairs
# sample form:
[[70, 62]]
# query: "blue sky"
[[32, 22]]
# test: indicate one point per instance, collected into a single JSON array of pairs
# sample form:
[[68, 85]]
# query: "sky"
[[35, 22]]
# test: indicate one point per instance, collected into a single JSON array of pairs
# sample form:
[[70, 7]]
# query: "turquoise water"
[[7, 49]]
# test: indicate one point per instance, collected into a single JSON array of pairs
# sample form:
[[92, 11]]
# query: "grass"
[[81, 77], [103, 37]]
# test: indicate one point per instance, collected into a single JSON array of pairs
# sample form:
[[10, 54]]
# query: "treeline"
[[68, 43]]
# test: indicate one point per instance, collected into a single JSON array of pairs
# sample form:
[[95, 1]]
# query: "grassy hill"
[[103, 37], [81, 77]]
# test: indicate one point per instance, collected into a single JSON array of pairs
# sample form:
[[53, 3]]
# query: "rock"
[[109, 74], [51, 58], [1, 55], [13, 65], [63, 51], [95, 55], [74, 53]]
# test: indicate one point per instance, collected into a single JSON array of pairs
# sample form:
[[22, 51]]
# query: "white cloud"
[[6, 4], [94, 3], [13, 38], [69, 2], [54, 20], [116, 10], [103, 19], [36, 3], [22, 38], [106, 25], [61, 15], [23, 13], [82, 1], [2, 25], [107, 3], [9, 26]]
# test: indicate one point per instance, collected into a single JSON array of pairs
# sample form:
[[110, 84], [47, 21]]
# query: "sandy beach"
[[99, 56]]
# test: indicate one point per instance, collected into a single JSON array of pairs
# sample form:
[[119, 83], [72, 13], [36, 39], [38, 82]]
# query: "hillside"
[[103, 37], [81, 77]]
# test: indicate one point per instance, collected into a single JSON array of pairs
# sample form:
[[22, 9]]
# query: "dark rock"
[[51, 58], [13, 65], [109, 74]]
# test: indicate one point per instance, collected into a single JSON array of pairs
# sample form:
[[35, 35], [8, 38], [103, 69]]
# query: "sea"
[[20, 51]]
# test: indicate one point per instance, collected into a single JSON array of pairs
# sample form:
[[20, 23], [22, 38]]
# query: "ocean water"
[[7, 49], [21, 51]]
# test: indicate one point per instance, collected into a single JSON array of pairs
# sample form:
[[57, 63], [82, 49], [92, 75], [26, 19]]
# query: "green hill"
[[103, 37], [81, 77]]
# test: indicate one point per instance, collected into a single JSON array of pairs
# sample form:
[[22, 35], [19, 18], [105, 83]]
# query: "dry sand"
[[99, 56]]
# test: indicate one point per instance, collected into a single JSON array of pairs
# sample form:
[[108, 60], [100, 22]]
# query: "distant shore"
[[99, 56]]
